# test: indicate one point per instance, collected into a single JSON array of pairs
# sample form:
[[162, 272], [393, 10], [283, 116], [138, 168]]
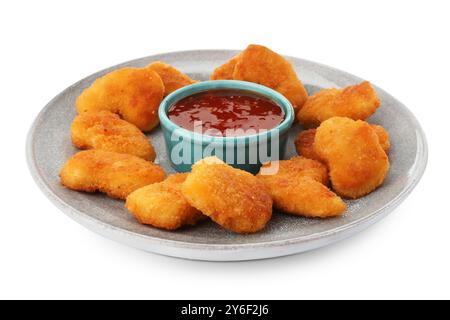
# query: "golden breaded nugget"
[[162, 204], [115, 174], [261, 65], [132, 93], [357, 102], [225, 71], [304, 143], [106, 131], [299, 188], [300, 166], [233, 198], [172, 78], [383, 137], [352, 151]]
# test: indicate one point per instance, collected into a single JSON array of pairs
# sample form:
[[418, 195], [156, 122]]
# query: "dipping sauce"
[[226, 113]]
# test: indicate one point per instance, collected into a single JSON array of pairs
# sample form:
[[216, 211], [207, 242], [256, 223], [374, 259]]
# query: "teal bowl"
[[247, 152]]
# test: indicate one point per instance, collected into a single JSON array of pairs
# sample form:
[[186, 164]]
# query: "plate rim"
[[321, 238]]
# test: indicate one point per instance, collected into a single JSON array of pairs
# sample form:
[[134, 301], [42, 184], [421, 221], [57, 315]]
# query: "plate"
[[49, 146]]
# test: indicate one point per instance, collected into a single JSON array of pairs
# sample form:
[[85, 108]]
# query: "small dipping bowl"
[[246, 152]]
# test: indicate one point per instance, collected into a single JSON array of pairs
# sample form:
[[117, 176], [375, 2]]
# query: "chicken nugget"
[[352, 150], [162, 204], [172, 78], [233, 198], [133, 93], [106, 131], [304, 143], [225, 71], [383, 137], [357, 102], [115, 174], [299, 166], [299, 188], [261, 65]]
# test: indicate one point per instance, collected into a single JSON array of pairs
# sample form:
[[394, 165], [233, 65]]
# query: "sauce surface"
[[222, 112]]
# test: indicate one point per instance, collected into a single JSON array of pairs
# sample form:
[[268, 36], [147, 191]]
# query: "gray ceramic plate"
[[49, 146]]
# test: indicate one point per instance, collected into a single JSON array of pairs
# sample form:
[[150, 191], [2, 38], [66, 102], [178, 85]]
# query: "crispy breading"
[[261, 65], [132, 93], [304, 143], [299, 188], [115, 174], [299, 166], [225, 71], [172, 78], [352, 150], [106, 131], [233, 198], [162, 204], [357, 102], [383, 137]]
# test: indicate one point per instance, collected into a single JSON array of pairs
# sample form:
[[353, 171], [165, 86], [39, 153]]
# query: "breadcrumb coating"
[[357, 102], [172, 78], [304, 143], [115, 174], [299, 188], [133, 93], [233, 198], [225, 71], [261, 65], [352, 150], [163, 205], [106, 131]]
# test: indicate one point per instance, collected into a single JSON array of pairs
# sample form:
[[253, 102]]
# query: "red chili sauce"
[[221, 112]]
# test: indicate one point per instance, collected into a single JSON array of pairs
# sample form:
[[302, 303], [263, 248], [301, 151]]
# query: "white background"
[[402, 46]]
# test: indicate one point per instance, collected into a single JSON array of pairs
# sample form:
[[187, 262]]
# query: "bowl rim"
[[192, 89]]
